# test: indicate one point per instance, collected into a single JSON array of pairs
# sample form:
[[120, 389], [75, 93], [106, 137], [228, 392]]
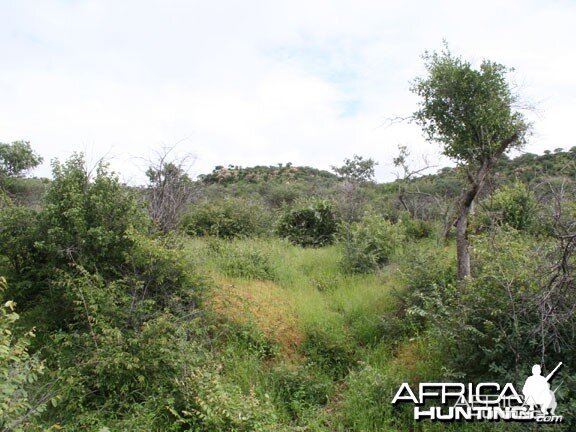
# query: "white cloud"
[[248, 82]]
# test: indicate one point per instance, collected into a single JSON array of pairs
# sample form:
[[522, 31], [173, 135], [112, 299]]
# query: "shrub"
[[427, 265], [18, 232], [85, 220], [278, 195], [227, 218], [369, 244], [18, 370], [252, 339], [416, 229], [118, 351], [425, 270], [516, 206], [300, 388], [206, 402], [516, 310], [309, 224]]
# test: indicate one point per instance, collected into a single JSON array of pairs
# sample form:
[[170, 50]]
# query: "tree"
[[17, 158], [357, 169], [169, 190], [471, 113], [356, 172], [408, 174]]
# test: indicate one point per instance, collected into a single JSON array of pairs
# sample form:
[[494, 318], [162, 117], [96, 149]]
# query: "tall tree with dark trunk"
[[472, 113]]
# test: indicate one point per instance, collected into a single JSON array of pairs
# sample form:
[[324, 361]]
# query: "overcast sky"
[[260, 82]]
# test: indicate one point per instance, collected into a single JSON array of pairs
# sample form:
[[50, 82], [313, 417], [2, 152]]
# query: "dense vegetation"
[[260, 315], [278, 298]]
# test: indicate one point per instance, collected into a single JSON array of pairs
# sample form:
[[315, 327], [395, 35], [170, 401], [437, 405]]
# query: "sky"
[[263, 82]]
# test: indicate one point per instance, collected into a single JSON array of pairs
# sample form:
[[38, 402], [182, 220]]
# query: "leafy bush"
[[115, 306], [207, 402], [298, 389], [85, 220], [369, 244], [27, 191], [119, 350], [278, 195], [18, 370], [252, 339], [516, 206], [309, 224], [518, 306], [425, 269], [156, 270], [18, 232], [17, 158], [426, 265], [416, 229], [227, 218]]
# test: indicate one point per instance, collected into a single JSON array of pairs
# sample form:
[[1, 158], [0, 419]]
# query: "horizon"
[[195, 176]]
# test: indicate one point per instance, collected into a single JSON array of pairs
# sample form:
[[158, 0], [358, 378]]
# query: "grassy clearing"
[[323, 345], [321, 323], [280, 285]]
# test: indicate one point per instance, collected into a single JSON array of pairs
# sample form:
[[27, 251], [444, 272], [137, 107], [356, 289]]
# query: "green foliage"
[[18, 233], [426, 265], [26, 191], [416, 229], [239, 261], [494, 323], [369, 244], [85, 221], [469, 111], [300, 388], [533, 169], [258, 174], [108, 370], [279, 195], [207, 402], [516, 206], [227, 218], [309, 224], [17, 158], [125, 339], [425, 269], [329, 349], [366, 401], [357, 169], [18, 372], [115, 306], [126, 347], [251, 339]]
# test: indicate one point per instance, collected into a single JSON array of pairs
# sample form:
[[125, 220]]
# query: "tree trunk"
[[467, 201], [463, 245], [466, 205]]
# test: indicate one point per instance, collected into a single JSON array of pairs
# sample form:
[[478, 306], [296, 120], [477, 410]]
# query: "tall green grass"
[[347, 368]]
